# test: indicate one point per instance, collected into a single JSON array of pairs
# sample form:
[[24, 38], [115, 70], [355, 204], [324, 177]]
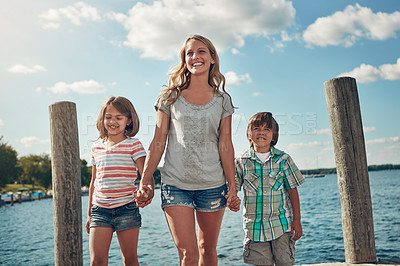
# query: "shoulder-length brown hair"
[[125, 107], [261, 119]]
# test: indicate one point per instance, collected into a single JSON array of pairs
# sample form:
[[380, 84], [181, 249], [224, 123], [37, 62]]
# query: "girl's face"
[[261, 138], [115, 123], [198, 57]]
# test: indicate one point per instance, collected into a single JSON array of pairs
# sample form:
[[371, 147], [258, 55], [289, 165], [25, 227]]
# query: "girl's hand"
[[233, 201], [88, 225], [144, 196]]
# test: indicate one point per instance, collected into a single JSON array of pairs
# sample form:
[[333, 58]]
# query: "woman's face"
[[198, 57]]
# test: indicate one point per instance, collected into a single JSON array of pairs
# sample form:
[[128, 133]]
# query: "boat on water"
[[314, 176]]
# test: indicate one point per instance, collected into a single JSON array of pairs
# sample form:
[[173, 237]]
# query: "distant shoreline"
[[327, 171]]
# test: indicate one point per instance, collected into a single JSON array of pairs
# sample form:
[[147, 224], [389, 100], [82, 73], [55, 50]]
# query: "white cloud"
[[346, 27], [235, 51], [300, 145], [158, 29], [383, 140], [324, 131], [234, 79], [27, 142], [1, 122], [238, 117], [75, 13], [81, 87], [21, 69], [256, 94], [369, 129], [367, 73]]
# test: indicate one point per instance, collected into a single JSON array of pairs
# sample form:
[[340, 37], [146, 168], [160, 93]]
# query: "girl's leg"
[[128, 242], [181, 222], [99, 244], [209, 226]]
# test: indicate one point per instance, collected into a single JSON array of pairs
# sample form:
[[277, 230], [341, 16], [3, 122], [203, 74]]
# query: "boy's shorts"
[[207, 200], [119, 219], [280, 251]]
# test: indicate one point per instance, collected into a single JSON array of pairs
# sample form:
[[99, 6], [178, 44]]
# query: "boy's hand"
[[296, 231], [144, 196], [233, 201]]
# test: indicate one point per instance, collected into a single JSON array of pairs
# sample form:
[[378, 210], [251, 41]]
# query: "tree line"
[[36, 169], [31, 169]]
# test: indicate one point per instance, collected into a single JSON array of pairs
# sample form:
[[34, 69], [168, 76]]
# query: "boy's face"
[[261, 138]]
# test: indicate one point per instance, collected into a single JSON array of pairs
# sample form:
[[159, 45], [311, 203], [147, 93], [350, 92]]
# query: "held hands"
[[233, 201], [296, 231], [144, 195]]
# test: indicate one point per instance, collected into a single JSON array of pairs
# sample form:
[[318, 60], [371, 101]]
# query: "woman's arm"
[[154, 154], [91, 189], [227, 154]]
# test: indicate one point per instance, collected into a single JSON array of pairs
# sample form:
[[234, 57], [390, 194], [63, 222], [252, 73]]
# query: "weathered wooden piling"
[[66, 174], [352, 169]]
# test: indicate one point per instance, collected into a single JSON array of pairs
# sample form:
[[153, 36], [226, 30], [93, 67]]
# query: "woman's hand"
[[144, 196], [233, 201]]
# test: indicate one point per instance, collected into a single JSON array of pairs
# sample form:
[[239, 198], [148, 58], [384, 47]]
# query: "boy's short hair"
[[260, 119]]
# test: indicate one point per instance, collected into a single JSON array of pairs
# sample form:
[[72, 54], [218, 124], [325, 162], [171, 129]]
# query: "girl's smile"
[[115, 123]]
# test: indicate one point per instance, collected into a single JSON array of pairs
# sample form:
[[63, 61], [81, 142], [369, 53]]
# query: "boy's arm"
[[296, 230]]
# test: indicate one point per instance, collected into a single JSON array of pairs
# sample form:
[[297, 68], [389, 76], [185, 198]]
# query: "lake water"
[[26, 230]]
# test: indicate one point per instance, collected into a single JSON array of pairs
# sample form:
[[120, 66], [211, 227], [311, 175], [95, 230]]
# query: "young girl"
[[195, 116], [116, 157]]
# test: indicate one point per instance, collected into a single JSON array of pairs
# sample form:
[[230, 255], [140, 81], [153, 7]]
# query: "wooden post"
[[352, 169], [67, 203]]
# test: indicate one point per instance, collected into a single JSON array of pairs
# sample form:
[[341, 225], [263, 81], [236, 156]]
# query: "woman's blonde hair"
[[179, 76], [125, 107], [263, 119]]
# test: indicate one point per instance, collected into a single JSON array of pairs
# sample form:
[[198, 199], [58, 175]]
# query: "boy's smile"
[[261, 138]]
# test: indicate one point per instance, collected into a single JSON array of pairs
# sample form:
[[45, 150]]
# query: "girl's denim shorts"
[[207, 200], [121, 218]]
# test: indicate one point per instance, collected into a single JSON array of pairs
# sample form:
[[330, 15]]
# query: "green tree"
[[86, 173], [8, 163], [36, 169]]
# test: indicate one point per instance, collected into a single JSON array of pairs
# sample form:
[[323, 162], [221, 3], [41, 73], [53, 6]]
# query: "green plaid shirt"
[[267, 209]]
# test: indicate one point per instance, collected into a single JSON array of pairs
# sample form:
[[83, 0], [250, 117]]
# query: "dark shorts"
[[119, 219], [207, 200], [280, 251]]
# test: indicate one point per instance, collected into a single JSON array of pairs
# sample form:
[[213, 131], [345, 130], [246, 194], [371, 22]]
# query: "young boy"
[[271, 203]]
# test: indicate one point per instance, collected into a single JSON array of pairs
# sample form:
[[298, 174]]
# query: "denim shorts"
[[121, 218], [280, 251], [207, 200]]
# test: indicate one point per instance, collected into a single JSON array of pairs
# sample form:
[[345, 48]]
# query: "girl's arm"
[[154, 154], [91, 189], [297, 230], [226, 153]]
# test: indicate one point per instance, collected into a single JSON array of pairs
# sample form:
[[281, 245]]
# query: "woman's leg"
[[128, 242], [99, 244], [181, 222], [209, 226]]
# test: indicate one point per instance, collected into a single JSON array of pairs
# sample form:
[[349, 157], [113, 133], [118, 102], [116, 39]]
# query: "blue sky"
[[275, 55]]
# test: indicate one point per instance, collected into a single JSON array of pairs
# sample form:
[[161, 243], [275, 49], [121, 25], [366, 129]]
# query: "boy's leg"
[[99, 244], [181, 222], [128, 242], [209, 226], [284, 251], [258, 253]]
